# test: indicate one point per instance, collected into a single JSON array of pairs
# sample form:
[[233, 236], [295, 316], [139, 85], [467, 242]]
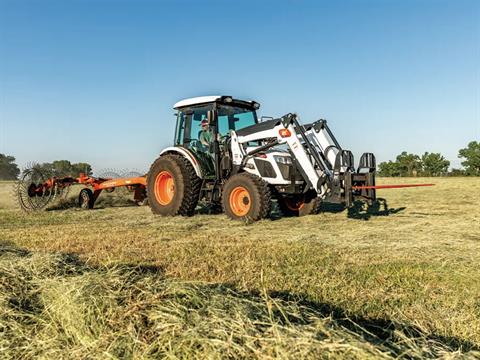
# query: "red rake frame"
[[136, 184]]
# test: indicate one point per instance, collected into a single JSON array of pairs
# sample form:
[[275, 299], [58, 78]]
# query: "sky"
[[95, 81]]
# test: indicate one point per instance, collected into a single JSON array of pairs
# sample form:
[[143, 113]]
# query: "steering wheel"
[[196, 143]]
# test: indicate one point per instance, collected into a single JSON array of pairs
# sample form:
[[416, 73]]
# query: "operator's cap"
[[204, 122]]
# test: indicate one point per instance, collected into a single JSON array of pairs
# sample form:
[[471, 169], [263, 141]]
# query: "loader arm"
[[307, 158], [326, 168]]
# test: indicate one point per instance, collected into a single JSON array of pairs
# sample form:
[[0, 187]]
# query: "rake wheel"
[[28, 189]]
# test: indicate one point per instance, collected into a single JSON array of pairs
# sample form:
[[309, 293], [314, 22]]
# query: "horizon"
[[96, 81]]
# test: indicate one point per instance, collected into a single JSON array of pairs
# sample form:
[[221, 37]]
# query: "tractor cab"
[[204, 124]]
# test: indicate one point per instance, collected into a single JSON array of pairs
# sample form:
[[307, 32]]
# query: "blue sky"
[[95, 81]]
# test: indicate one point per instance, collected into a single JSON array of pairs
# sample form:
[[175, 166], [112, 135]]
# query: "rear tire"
[[173, 187], [86, 199], [299, 205], [246, 197]]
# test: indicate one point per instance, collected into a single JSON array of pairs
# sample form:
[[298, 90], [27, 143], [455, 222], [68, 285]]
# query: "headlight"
[[287, 160]]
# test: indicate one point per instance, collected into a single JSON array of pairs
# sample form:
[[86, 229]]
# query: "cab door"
[[188, 132]]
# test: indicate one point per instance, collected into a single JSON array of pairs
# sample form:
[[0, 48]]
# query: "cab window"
[[189, 125], [234, 118]]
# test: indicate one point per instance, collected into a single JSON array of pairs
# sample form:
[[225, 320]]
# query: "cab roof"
[[214, 98]]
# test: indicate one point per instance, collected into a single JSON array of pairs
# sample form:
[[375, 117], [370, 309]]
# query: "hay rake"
[[35, 189]]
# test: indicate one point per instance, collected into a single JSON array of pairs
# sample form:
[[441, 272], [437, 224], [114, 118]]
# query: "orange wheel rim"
[[294, 204], [240, 201], [164, 188]]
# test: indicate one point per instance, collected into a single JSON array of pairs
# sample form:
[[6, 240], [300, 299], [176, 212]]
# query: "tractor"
[[224, 156]]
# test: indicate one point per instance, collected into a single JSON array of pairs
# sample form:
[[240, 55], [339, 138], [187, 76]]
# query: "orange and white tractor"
[[225, 156]]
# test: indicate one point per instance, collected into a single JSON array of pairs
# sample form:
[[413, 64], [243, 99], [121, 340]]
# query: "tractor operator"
[[206, 134]]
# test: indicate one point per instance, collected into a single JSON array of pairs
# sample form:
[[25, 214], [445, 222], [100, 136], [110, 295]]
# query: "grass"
[[401, 280]]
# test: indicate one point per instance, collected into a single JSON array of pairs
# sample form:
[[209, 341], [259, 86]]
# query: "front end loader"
[[245, 164]]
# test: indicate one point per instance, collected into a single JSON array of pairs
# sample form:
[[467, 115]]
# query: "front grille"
[[265, 168], [285, 170]]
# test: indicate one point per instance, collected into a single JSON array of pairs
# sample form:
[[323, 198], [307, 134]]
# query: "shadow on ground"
[[376, 331], [361, 210]]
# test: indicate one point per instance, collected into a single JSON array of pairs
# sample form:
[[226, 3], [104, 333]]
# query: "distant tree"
[[82, 168], [8, 169], [389, 169], [472, 158], [62, 168], [434, 164], [409, 164], [456, 172]]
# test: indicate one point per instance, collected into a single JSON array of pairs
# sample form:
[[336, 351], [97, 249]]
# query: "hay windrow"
[[57, 306]]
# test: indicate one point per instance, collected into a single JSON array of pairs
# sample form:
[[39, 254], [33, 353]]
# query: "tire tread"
[[191, 184], [263, 208]]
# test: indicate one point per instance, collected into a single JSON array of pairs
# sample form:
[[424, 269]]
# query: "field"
[[401, 279]]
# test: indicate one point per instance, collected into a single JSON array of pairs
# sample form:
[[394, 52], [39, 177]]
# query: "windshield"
[[234, 118]]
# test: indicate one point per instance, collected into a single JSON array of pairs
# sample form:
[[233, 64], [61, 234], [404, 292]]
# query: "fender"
[[185, 153]]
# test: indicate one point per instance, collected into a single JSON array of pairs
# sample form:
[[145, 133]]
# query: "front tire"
[[246, 197], [173, 187]]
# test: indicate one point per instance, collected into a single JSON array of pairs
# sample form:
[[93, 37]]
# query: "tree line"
[[9, 169], [433, 164], [61, 168]]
